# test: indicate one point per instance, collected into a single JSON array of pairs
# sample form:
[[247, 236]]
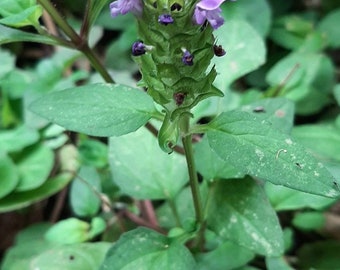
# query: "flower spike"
[[125, 6]]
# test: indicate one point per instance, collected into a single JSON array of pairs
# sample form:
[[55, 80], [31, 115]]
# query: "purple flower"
[[139, 48], [187, 58], [125, 6], [165, 19], [209, 10], [218, 50]]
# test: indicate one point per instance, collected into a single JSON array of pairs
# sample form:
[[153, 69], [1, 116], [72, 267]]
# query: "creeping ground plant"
[[170, 134]]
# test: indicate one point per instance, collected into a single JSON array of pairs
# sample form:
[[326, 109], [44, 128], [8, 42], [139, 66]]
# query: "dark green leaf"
[[93, 153], [142, 170], [8, 175], [9, 35], [283, 198], [97, 110], [227, 256], [319, 255], [245, 216], [255, 148], [84, 194], [144, 249], [18, 200], [34, 166]]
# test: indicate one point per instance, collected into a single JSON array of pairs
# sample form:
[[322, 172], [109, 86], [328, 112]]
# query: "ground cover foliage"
[[120, 158]]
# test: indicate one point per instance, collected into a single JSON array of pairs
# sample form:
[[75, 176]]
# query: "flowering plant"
[[182, 158]]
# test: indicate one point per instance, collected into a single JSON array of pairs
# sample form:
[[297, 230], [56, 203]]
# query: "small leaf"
[[307, 221], [97, 110], [145, 249], [328, 26], [8, 175], [84, 192], [245, 216], [68, 231], [34, 166], [277, 263], [142, 170], [93, 153], [257, 149], [17, 200]]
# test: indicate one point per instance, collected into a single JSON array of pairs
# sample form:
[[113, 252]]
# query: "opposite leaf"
[[257, 149], [97, 109]]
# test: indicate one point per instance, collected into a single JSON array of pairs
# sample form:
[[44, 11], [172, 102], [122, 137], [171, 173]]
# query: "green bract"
[[170, 81]]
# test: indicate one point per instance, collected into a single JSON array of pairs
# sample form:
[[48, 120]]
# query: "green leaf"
[[255, 148], [84, 256], [142, 170], [307, 221], [242, 57], [337, 93], [9, 35], [84, 194], [319, 255], [13, 140], [245, 216], [328, 26], [17, 200], [68, 231], [210, 165], [144, 249], [227, 256], [7, 61], [93, 153], [248, 11], [34, 166], [97, 109], [322, 139], [8, 175], [277, 111], [277, 263], [283, 198]]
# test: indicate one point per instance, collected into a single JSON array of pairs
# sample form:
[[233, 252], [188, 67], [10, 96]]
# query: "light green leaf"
[[97, 109], [13, 140], [7, 61], [337, 93], [328, 26], [144, 249], [227, 256], [242, 57], [142, 170], [277, 263], [308, 221], [84, 194], [34, 166], [283, 198], [245, 216], [255, 148], [9, 35], [17, 200], [8, 175]]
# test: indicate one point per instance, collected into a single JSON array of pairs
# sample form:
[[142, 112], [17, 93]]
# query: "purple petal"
[[200, 15], [125, 6], [214, 18], [209, 4]]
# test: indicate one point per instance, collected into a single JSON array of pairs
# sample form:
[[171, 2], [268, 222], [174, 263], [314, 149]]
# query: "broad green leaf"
[[249, 11], [13, 140], [242, 57], [210, 165], [255, 148], [277, 111], [322, 139], [319, 255], [68, 231], [307, 221], [283, 198], [277, 263], [17, 200], [244, 216], [9, 35], [97, 110], [34, 166], [9, 177], [142, 170], [328, 26], [144, 249], [227, 256], [85, 191]]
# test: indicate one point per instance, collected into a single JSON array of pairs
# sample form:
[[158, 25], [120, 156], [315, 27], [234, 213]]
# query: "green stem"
[[79, 42], [193, 180], [175, 212]]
